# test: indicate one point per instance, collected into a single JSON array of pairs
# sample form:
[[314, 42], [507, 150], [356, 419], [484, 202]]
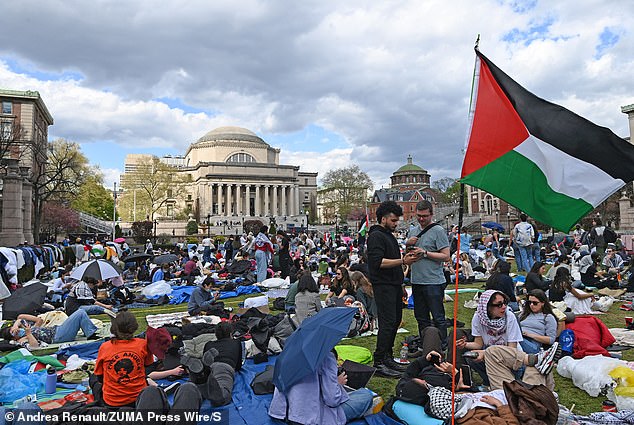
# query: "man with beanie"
[[386, 275]]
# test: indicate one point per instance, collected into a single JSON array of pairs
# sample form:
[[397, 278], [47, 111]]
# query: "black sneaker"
[[386, 372], [389, 362]]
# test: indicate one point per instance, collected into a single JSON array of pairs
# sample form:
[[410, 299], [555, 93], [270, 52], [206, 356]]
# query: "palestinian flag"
[[366, 226], [537, 156]]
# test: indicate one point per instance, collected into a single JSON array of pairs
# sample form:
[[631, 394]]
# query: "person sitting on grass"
[[119, 380], [202, 300], [82, 297], [28, 331]]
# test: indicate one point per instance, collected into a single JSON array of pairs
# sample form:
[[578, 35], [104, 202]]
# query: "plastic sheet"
[[16, 382]]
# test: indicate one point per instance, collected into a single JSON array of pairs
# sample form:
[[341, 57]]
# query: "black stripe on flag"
[[566, 130]]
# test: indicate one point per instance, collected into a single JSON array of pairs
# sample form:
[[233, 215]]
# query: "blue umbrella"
[[493, 225], [307, 347]]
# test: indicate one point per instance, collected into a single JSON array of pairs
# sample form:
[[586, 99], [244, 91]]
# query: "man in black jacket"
[[386, 275]]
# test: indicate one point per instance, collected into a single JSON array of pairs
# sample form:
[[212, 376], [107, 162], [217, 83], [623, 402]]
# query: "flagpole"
[[455, 297]]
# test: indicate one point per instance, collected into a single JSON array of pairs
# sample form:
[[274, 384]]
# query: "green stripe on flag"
[[517, 180]]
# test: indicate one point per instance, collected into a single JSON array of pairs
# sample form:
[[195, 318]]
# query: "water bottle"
[[85, 382], [404, 351], [51, 380]]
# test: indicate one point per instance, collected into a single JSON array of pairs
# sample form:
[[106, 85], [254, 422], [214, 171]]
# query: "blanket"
[[591, 337]]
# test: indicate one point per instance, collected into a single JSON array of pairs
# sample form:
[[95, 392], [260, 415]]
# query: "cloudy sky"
[[329, 82]]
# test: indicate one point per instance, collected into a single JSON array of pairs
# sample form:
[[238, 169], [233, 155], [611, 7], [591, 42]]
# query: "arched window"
[[241, 157]]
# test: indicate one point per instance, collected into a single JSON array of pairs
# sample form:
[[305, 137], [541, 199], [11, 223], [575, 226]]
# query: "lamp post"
[[155, 224], [209, 225], [447, 221], [508, 221], [497, 213], [336, 224], [114, 212]]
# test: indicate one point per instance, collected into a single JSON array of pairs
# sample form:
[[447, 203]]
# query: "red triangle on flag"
[[496, 128]]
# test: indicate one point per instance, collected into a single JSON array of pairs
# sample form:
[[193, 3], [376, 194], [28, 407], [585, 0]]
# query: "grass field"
[[568, 393]]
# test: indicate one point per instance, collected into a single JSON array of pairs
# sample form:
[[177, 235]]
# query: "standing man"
[[431, 248], [206, 250], [386, 274], [523, 236]]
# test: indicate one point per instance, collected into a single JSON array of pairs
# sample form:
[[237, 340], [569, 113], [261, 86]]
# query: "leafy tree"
[[59, 219], [443, 184], [252, 226], [142, 230], [94, 199], [192, 227], [149, 187], [343, 190], [59, 178]]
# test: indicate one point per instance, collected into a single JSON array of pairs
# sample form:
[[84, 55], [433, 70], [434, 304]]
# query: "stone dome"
[[231, 133]]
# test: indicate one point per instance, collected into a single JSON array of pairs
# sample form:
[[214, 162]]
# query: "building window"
[[5, 131], [7, 108], [241, 157], [170, 210], [169, 193]]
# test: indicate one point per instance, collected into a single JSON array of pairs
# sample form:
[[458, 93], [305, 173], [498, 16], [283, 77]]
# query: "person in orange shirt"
[[120, 380]]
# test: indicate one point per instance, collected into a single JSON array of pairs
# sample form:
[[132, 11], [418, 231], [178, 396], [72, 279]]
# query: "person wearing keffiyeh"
[[263, 252]]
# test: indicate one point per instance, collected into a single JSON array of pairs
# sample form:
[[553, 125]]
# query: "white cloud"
[[391, 79]]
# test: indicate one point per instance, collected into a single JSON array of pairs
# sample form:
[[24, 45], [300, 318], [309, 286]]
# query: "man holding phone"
[[385, 265], [429, 243]]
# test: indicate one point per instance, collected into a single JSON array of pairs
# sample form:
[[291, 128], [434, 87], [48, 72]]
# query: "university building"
[[235, 176]]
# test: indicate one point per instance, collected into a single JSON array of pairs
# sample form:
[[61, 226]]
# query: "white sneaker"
[[546, 359], [110, 313]]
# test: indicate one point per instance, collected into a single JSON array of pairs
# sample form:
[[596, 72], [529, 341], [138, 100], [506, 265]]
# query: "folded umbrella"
[[307, 347], [97, 269]]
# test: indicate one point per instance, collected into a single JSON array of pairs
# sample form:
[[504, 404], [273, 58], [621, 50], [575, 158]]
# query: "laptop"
[[358, 374]]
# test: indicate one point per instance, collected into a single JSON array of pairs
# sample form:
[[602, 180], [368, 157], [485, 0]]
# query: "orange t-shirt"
[[122, 364]]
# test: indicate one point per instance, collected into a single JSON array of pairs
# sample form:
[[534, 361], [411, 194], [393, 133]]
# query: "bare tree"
[[62, 171]]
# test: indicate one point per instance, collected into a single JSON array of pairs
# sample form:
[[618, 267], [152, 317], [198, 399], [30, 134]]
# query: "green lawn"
[[568, 393]]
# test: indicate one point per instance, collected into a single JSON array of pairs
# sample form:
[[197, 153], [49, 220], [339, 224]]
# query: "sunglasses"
[[534, 302], [500, 304]]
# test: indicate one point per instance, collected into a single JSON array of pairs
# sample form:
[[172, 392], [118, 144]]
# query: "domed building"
[[409, 184], [236, 176]]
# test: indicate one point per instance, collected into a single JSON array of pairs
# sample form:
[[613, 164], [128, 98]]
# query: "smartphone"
[[466, 375], [434, 359], [23, 322]]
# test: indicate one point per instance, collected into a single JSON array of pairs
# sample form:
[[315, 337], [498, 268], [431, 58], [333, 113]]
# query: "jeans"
[[359, 402], [389, 306], [207, 254], [530, 346], [428, 300], [261, 261], [518, 257], [67, 331], [92, 309], [536, 251], [527, 257]]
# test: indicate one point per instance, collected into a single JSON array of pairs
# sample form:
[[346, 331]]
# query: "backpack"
[[609, 235], [361, 321], [523, 235]]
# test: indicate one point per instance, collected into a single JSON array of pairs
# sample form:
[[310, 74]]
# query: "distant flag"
[[540, 157], [366, 226]]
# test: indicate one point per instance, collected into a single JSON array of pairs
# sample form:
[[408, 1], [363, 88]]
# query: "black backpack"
[[609, 235]]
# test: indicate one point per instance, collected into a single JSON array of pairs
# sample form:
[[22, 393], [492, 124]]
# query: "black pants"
[[389, 305], [429, 301]]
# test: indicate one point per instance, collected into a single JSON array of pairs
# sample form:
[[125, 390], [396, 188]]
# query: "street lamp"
[[508, 221], [114, 212], [336, 224], [155, 224], [209, 225], [497, 213]]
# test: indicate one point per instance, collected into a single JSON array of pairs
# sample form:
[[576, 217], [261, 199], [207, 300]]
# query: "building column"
[[27, 199], [284, 201], [296, 202], [219, 198], [275, 209], [258, 210], [12, 221], [229, 201], [239, 209], [247, 200], [267, 200]]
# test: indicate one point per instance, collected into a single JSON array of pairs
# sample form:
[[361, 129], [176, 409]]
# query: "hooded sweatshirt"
[[382, 244]]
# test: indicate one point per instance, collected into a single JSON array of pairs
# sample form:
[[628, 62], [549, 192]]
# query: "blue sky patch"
[[537, 30], [175, 103], [607, 39], [312, 137], [29, 69]]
